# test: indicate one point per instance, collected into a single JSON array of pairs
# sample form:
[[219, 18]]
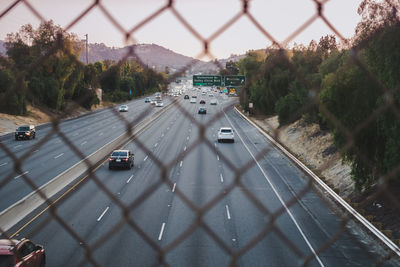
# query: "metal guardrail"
[[389, 243]]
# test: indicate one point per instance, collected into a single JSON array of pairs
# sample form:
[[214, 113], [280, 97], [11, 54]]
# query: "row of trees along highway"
[[43, 69], [353, 90]]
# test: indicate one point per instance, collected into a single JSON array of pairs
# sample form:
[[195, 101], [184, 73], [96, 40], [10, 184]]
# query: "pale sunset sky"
[[280, 18]]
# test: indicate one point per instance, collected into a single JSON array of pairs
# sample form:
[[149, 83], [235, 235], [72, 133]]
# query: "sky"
[[280, 18]]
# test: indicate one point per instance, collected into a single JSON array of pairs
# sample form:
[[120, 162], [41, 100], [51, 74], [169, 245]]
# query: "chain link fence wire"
[[165, 167]]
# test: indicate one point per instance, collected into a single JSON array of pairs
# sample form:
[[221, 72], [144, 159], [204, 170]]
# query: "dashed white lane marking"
[[180, 165], [161, 232], [162, 135], [215, 144], [184, 149], [114, 127], [5, 163], [17, 146], [187, 138], [227, 212], [75, 134], [37, 150], [104, 212], [222, 178], [156, 144], [100, 134], [217, 157], [56, 157], [129, 179], [173, 188], [21, 175], [145, 158], [279, 197], [83, 143]]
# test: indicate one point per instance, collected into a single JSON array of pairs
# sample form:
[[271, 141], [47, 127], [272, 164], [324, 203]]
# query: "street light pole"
[[87, 50]]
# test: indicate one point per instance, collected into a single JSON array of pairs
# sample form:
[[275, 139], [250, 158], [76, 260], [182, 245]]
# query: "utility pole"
[[87, 50]]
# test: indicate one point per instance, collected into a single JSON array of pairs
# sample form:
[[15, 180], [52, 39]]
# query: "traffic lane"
[[148, 215], [313, 215], [200, 182], [44, 163], [229, 178], [69, 126], [88, 208]]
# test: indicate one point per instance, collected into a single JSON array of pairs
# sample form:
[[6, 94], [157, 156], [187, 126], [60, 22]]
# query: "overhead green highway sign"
[[235, 80], [207, 80]]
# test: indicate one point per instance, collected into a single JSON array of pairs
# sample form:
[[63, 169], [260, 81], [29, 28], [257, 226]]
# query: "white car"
[[123, 108], [226, 134], [193, 100], [210, 95], [213, 101], [159, 104]]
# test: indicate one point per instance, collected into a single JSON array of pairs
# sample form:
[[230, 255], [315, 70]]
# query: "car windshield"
[[7, 260], [23, 128], [226, 130], [119, 154], [123, 106]]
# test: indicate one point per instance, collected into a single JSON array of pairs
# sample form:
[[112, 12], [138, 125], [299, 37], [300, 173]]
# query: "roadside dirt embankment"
[[315, 148]]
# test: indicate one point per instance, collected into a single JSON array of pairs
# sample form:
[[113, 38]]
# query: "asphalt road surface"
[[87, 133], [191, 201]]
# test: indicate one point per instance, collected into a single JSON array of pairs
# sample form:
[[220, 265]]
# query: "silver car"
[[226, 134]]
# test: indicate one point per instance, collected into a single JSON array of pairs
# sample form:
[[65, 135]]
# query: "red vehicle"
[[23, 253]]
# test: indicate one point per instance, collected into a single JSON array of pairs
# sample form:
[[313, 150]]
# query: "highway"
[[87, 133], [205, 213]]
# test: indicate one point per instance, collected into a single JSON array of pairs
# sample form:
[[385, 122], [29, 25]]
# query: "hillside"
[[152, 55]]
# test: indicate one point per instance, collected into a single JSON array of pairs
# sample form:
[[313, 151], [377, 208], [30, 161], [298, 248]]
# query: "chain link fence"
[[165, 167]]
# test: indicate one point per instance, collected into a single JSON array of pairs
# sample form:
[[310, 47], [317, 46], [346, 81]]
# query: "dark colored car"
[[186, 97], [121, 158], [23, 253], [25, 132], [202, 111], [202, 101]]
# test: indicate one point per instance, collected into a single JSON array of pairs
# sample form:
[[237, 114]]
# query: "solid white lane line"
[[56, 157], [5, 163], [227, 212], [222, 178], [21, 175], [217, 157], [129, 179], [184, 149], [173, 188], [145, 158], [104, 212], [278, 196], [17, 146], [161, 232], [83, 143], [180, 165]]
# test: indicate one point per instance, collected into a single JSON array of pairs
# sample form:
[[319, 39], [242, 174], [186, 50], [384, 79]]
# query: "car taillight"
[[125, 159], [110, 159]]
